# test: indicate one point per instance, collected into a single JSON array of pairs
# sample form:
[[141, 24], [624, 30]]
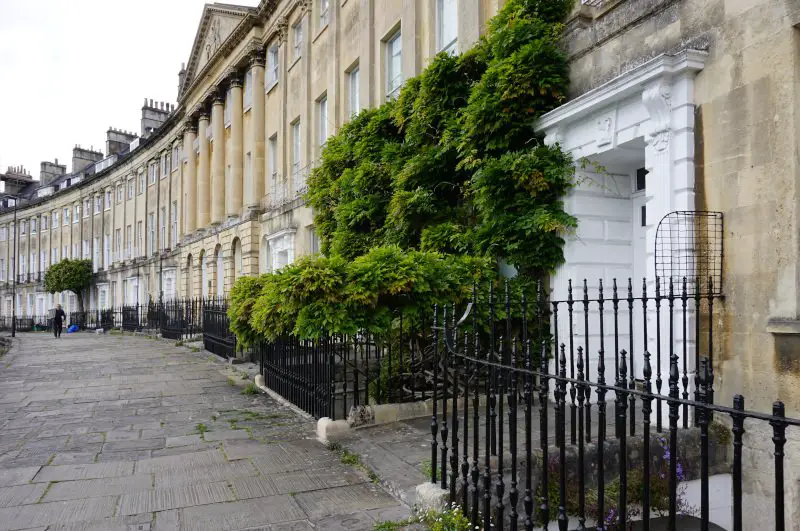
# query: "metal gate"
[[130, 318], [217, 336]]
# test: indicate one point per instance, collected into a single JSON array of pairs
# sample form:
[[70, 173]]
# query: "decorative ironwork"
[[217, 336], [689, 246]]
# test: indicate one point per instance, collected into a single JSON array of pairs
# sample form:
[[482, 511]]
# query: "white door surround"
[[642, 119]]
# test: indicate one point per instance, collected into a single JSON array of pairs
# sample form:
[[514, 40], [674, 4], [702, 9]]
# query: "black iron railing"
[[329, 375], [217, 336], [500, 440]]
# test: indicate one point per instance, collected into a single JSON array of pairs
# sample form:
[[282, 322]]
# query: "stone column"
[[283, 137], [234, 197], [218, 192], [190, 177], [203, 186], [254, 196]]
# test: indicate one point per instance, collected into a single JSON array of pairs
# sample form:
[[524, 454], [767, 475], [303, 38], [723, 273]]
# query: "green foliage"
[[319, 295], [69, 275], [449, 519], [420, 197], [250, 389]]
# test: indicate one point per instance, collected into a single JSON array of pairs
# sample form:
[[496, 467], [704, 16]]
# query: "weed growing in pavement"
[[250, 389]]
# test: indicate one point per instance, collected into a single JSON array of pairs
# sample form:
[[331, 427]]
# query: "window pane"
[[447, 24], [394, 66], [355, 105]]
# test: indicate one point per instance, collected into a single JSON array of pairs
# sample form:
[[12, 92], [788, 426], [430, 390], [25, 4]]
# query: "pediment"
[[216, 25]]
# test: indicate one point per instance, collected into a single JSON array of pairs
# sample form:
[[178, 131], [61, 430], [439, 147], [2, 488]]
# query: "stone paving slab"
[[173, 497], [101, 433], [26, 516], [84, 471], [241, 514], [17, 476], [343, 500], [216, 472], [21, 494], [91, 488]]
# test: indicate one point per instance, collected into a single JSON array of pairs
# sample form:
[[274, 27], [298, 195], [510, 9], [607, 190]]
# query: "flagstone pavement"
[[123, 432]]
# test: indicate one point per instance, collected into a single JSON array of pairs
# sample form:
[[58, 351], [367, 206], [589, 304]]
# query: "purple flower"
[[679, 472], [667, 455]]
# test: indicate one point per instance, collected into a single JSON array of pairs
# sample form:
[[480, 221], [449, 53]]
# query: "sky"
[[70, 69]]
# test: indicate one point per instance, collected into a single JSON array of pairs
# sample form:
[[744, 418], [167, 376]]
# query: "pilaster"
[[190, 177]]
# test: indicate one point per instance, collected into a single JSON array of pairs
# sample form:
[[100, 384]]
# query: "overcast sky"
[[69, 69]]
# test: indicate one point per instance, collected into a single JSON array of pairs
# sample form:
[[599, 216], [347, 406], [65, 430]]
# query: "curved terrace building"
[[210, 188]]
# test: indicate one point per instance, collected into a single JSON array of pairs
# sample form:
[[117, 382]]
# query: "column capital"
[[304, 6], [282, 28], [189, 126], [256, 55], [233, 78], [218, 95]]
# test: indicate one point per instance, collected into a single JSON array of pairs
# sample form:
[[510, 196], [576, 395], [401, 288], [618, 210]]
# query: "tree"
[[69, 275]]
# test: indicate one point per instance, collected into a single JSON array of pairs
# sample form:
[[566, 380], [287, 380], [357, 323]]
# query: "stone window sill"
[[294, 62], [320, 32], [783, 326]]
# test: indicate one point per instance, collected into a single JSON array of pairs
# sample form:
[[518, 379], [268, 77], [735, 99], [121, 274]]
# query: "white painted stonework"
[[642, 119]]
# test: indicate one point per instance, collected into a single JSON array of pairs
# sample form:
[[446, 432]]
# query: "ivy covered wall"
[[417, 199]]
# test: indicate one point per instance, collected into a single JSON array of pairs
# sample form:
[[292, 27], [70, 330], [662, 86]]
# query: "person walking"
[[58, 320]]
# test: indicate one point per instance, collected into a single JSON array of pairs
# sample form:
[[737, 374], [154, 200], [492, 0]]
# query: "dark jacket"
[[59, 316]]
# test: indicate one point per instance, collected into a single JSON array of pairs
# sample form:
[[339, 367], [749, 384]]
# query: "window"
[[85, 253], [106, 250], [151, 233], [139, 246], [65, 253], [33, 226], [446, 25], [117, 245], [163, 223], [167, 166], [42, 261], [96, 253], [131, 188], [153, 168], [354, 89], [175, 157], [272, 66], [297, 39], [174, 217], [3, 234], [120, 194], [314, 240], [33, 263], [323, 13], [226, 113], [248, 89], [129, 242], [295, 149], [108, 200], [54, 255], [22, 227], [98, 205], [141, 181], [55, 219], [641, 181], [66, 216], [44, 222], [77, 216], [87, 208], [163, 165], [394, 65], [2, 269], [322, 111], [22, 269], [273, 157]]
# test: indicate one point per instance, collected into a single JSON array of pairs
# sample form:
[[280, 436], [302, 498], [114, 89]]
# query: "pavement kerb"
[[259, 382]]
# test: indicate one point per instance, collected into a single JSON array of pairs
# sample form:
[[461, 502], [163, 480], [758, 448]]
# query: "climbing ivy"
[[417, 198]]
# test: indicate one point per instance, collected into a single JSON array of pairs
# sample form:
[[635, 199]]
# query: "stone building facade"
[[694, 105], [210, 189]]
